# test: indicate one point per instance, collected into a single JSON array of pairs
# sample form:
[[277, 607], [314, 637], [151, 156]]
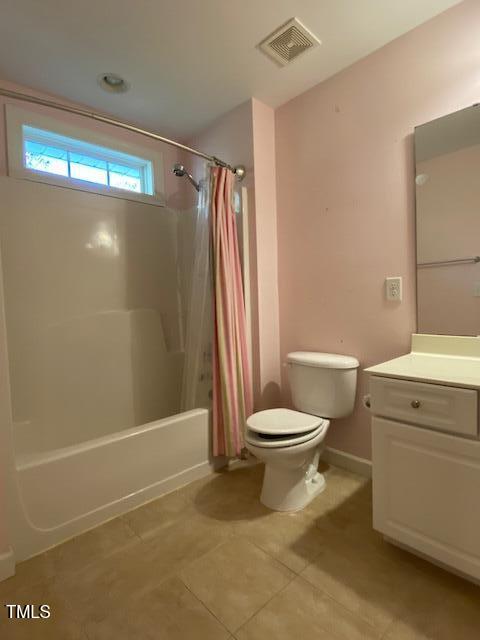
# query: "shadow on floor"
[[333, 546], [232, 495]]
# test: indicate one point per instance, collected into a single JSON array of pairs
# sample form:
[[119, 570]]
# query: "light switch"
[[393, 288]]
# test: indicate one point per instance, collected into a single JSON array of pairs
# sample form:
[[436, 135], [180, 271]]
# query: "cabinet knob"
[[415, 404]]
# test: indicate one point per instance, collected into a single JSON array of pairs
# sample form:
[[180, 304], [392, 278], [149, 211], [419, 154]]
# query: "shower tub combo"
[[93, 305], [105, 338]]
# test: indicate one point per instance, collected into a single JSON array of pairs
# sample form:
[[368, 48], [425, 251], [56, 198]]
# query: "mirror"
[[447, 158]]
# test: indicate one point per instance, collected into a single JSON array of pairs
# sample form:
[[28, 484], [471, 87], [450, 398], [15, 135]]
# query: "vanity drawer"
[[431, 405]]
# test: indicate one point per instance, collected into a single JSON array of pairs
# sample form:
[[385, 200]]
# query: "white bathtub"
[[59, 494]]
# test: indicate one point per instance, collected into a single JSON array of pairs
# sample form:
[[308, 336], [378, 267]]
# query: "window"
[[48, 155], [61, 156]]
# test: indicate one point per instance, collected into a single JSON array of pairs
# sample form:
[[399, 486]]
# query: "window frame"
[[17, 118]]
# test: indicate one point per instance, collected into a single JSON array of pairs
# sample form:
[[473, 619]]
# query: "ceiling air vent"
[[288, 42]]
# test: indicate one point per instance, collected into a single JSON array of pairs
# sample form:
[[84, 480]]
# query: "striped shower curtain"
[[232, 385]]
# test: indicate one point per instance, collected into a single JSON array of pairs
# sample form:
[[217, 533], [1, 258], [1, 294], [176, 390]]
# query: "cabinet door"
[[426, 492]]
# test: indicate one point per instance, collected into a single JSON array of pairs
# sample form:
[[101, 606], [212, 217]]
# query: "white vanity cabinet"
[[433, 406], [426, 469]]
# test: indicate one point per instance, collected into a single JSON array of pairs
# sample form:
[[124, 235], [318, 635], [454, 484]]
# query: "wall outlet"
[[393, 288]]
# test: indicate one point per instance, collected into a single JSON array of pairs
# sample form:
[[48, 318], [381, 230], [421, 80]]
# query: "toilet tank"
[[323, 384]]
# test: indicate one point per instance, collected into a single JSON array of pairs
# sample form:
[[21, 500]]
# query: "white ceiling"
[[188, 61]]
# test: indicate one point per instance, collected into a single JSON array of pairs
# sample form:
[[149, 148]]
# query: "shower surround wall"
[[106, 345], [94, 330], [345, 194], [130, 283]]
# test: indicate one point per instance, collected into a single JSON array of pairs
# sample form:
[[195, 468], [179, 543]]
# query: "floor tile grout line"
[[202, 556], [308, 562], [204, 605], [350, 611], [295, 576], [189, 500], [354, 615], [270, 555], [81, 623]]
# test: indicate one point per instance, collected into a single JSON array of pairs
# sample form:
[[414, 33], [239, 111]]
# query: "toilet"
[[323, 387]]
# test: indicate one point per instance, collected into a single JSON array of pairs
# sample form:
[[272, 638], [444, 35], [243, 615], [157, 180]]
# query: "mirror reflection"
[[447, 154]]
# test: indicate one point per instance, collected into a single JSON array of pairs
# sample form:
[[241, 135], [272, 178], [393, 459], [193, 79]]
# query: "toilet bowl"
[[290, 454], [290, 442]]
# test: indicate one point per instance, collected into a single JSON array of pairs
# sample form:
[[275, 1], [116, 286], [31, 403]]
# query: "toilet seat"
[[269, 441], [283, 421], [278, 428]]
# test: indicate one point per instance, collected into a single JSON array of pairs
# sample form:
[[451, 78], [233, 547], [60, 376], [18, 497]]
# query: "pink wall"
[[246, 135], [230, 138], [345, 194], [267, 322]]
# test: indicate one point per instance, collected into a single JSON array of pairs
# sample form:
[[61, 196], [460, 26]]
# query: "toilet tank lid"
[[323, 360]]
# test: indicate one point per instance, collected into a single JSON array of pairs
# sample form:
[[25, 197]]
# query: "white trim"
[[16, 117], [361, 466], [7, 564]]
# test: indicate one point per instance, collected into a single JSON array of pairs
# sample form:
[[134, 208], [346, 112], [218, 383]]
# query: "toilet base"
[[290, 489]]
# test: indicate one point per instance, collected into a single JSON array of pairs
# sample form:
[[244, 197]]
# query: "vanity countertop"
[[449, 360]]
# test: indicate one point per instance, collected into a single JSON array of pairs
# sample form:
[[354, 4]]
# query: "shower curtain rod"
[[239, 170]]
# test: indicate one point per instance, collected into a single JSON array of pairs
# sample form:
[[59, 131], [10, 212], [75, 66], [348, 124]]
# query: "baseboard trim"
[[7, 564], [347, 461]]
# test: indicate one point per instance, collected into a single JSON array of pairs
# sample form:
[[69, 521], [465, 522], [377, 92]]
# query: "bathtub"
[[93, 363], [58, 494]]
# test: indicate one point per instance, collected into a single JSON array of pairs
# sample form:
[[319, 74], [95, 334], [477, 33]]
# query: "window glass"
[[52, 153], [91, 169], [124, 177], [40, 157]]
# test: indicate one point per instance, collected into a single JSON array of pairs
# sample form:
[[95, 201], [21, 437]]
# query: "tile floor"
[[210, 562]]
